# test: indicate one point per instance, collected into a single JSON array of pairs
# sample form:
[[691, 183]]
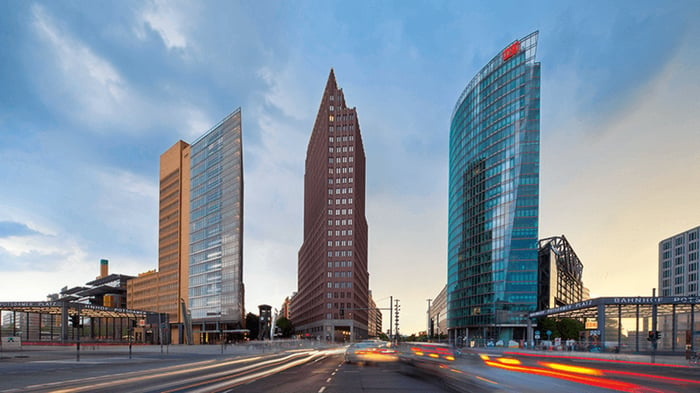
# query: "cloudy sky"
[[92, 92]]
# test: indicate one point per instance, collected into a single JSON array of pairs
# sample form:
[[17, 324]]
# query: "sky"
[[92, 92]]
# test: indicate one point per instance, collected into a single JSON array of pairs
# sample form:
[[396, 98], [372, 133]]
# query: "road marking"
[[333, 373], [322, 389], [328, 380]]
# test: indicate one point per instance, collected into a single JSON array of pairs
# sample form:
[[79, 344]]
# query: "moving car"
[[370, 352]]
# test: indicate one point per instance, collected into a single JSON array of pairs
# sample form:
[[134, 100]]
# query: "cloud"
[[82, 86], [89, 82], [168, 19], [15, 229]]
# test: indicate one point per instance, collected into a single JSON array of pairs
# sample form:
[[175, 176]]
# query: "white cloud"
[[169, 20], [89, 89], [91, 85]]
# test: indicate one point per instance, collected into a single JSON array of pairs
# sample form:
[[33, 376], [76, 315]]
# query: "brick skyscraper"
[[333, 279]]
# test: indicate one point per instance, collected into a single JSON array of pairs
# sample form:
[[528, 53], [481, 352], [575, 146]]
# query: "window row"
[[339, 170], [338, 160], [340, 222], [339, 149], [339, 212], [339, 274], [339, 284], [346, 128], [347, 253], [332, 264], [340, 191], [340, 243], [340, 180], [339, 201], [341, 139]]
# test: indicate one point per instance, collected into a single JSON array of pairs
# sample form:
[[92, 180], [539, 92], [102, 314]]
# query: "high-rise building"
[[199, 281], [374, 318], [494, 198], [560, 274], [161, 291], [333, 279], [678, 264]]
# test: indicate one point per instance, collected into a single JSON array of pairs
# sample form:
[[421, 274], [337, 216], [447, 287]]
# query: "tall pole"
[[391, 316], [653, 326], [430, 320]]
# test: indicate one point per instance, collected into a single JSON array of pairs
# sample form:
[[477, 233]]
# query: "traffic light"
[[654, 335], [75, 320]]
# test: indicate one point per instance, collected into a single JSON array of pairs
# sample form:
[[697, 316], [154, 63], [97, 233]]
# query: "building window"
[[331, 118]]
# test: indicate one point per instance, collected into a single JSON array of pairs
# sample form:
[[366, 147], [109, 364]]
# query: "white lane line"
[[322, 389], [333, 373], [328, 380]]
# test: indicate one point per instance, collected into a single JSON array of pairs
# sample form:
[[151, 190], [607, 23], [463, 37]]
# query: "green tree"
[[569, 328], [252, 323], [546, 324], [285, 326]]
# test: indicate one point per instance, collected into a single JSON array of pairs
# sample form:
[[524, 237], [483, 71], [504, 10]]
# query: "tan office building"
[[164, 290]]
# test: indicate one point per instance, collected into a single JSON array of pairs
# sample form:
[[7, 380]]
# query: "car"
[[370, 352], [426, 353]]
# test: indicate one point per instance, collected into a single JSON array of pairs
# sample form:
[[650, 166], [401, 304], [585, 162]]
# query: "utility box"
[[11, 343]]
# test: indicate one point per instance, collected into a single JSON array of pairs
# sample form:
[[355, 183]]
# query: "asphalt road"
[[324, 371]]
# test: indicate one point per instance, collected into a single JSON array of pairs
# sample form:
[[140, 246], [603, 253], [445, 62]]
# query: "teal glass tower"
[[216, 227], [494, 199]]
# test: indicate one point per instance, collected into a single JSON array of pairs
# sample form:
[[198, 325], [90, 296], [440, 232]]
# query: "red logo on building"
[[511, 50]]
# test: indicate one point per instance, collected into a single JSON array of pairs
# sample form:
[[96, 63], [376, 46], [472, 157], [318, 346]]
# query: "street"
[[323, 370]]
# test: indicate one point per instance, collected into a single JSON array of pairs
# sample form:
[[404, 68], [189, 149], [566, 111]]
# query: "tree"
[[285, 326], [252, 323], [546, 324], [569, 328]]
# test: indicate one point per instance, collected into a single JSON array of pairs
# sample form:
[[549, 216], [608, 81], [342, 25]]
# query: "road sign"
[[537, 335]]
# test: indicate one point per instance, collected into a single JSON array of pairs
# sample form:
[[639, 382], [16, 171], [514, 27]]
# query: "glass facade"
[[494, 198], [216, 224]]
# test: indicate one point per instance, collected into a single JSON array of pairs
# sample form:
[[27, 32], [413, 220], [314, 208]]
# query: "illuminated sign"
[[511, 50]]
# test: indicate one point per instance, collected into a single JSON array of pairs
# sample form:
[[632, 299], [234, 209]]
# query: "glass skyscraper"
[[494, 198], [216, 227]]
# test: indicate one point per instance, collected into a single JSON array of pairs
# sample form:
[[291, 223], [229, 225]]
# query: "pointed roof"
[[331, 84]]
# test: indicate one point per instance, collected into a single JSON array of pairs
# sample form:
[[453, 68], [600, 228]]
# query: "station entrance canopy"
[[39, 321], [72, 308], [628, 305], [675, 315]]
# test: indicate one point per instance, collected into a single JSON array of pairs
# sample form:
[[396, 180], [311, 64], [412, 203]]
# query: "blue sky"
[[92, 92]]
